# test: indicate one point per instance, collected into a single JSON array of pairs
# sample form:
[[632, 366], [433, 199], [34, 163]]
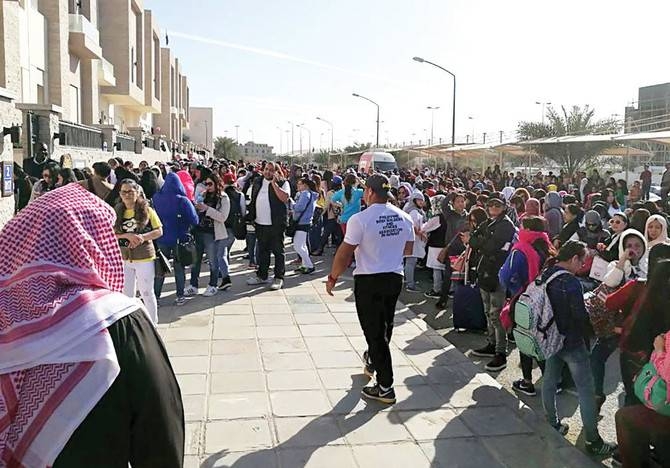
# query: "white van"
[[376, 161]]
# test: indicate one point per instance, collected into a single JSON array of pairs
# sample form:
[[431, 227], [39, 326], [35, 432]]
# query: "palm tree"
[[579, 121], [225, 147]]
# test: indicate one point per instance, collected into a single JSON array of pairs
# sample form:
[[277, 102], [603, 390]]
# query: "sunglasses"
[[616, 221], [127, 192]]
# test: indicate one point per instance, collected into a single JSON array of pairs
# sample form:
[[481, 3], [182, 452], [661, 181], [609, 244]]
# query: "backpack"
[[652, 390], [535, 330], [235, 220]]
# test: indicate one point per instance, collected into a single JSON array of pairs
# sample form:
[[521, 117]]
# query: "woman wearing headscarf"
[[656, 230], [592, 233], [532, 208], [414, 208], [177, 214], [86, 380], [610, 250]]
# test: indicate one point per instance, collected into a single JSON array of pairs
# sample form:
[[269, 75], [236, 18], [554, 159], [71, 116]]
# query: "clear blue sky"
[[262, 63]]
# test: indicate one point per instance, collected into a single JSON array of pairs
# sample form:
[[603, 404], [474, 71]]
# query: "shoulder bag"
[[292, 227], [186, 251]]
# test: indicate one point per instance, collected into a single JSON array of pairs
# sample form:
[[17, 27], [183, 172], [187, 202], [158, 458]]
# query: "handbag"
[[602, 320], [186, 252], [443, 256], [598, 268], [652, 390], [292, 227], [161, 264]]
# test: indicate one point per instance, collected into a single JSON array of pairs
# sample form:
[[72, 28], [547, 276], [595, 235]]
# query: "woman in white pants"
[[303, 211], [137, 225]]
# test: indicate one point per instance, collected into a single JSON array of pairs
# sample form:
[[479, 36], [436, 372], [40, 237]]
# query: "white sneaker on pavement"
[[210, 291], [277, 284], [190, 291], [255, 280]]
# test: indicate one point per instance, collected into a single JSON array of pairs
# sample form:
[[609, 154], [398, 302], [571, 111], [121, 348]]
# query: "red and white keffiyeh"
[[60, 282]]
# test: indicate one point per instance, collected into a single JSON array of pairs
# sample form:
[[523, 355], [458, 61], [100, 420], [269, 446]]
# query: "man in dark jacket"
[[492, 241]]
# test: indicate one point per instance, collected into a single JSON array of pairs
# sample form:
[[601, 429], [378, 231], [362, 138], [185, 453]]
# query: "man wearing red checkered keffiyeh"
[[79, 361]]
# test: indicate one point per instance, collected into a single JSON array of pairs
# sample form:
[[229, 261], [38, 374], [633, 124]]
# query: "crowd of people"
[[598, 247]]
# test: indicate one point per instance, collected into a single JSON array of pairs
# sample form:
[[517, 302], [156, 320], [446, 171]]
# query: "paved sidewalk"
[[273, 378]]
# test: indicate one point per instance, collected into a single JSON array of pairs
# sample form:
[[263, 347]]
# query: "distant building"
[[251, 150], [200, 129], [651, 114]]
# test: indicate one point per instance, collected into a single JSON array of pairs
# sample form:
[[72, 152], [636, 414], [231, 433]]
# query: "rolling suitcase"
[[468, 308]]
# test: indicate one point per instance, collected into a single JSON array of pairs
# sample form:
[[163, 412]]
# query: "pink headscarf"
[[187, 181], [60, 283], [533, 207]]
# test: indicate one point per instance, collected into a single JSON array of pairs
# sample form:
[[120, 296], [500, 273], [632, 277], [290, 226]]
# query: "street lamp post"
[[542, 104], [291, 123], [331, 131], [252, 135], [373, 102], [453, 107], [237, 134], [281, 137], [432, 121], [309, 137]]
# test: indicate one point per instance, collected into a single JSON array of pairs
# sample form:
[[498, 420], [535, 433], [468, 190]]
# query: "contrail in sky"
[[281, 56]]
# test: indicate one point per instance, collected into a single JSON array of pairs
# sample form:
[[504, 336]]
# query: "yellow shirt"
[[129, 225]]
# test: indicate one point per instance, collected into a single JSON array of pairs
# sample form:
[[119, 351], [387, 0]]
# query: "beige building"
[[255, 151], [200, 127], [88, 78]]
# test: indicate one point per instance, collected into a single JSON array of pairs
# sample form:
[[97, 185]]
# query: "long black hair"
[[349, 182]]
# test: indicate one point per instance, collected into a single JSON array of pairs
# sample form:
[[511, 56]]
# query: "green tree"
[[225, 147], [578, 121]]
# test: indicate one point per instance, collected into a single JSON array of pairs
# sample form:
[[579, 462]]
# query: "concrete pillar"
[[136, 132], [48, 119], [108, 135]]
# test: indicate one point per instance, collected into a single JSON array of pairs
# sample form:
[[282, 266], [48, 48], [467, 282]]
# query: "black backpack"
[[235, 219]]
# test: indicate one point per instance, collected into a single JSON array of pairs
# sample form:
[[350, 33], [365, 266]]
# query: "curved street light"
[[373, 102], [453, 109], [331, 131]]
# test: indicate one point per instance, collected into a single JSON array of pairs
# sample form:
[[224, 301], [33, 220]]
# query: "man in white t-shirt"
[[379, 237], [269, 213]]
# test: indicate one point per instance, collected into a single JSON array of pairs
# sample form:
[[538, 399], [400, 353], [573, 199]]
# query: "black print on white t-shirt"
[[389, 225]]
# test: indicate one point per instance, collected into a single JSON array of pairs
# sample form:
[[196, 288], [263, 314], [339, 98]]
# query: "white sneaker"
[[190, 291], [210, 291], [255, 280], [277, 284]]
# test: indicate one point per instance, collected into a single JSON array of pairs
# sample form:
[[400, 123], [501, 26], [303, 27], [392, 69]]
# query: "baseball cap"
[[337, 180], [496, 197], [380, 185]]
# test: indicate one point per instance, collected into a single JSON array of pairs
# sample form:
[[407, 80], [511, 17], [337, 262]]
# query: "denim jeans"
[[314, 239], [438, 278], [223, 247], [602, 350], [179, 273], [251, 247], [204, 242], [580, 368], [410, 266], [493, 304]]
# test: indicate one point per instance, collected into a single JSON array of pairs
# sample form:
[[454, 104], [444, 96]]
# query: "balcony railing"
[[81, 24], [72, 134], [125, 142]]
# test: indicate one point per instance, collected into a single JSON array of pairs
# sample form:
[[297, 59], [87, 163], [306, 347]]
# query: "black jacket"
[[455, 225], [278, 208], [492, 241]]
